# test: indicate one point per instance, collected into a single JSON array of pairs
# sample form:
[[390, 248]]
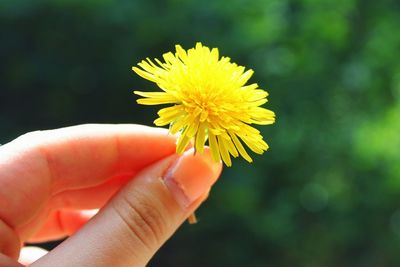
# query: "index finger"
[[40, 164]]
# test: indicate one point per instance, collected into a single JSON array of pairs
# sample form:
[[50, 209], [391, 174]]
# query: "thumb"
[[142, 216]]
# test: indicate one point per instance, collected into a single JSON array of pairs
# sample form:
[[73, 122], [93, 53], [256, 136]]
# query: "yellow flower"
[[209, 98]]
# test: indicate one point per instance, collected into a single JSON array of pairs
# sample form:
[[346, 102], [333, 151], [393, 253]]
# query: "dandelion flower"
[[210, 100]]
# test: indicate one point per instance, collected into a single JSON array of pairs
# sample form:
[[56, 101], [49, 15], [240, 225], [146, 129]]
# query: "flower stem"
[[192, 218]]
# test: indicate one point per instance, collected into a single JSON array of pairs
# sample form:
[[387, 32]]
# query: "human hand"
[[131, 172]]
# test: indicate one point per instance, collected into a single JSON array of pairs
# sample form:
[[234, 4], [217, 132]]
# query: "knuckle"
[[9, 241], [143, 217], [29, 137]]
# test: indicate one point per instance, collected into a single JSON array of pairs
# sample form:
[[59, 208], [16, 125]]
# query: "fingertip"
[[192, 175]]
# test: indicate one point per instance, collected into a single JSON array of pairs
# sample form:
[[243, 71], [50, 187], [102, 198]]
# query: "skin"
[[48, 178]]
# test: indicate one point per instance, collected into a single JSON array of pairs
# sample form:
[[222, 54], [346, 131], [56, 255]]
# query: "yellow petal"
[[224, 151], [144, 74], [179, 124], [193, 126], [214, 146], [201, 137], [183, 141], [240, 147]]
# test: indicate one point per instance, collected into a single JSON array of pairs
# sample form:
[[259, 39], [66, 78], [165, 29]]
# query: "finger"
[[6, 261], [9, 241], [62, 223], [79, 199], [89, 198], [31, 254], [142, 216], [40, 164]]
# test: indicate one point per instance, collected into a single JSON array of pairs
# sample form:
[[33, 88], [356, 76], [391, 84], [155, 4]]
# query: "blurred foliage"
[[327, 193]]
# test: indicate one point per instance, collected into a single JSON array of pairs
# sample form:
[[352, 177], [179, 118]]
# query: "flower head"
[[209, 98]]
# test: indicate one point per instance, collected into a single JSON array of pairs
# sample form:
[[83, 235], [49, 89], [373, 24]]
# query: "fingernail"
[[192, 176]]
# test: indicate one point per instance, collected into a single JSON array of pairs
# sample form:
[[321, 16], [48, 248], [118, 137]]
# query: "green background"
[[327, 193]]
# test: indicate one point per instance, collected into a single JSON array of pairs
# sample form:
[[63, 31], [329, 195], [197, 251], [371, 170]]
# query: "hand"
[[131, 172]]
